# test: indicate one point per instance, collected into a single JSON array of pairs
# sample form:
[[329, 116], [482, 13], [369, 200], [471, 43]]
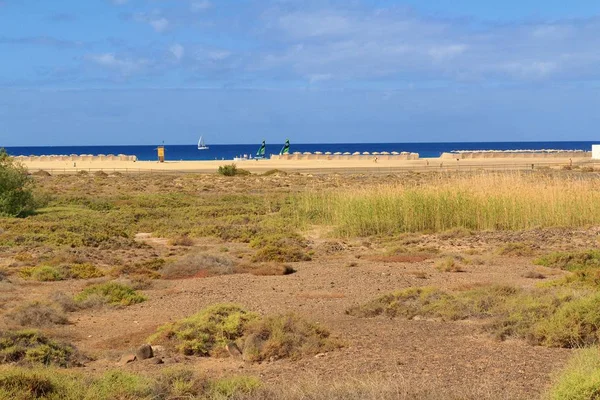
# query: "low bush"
[[42, 274], [516, 250], [580, 380], [285, 336], [37, 314], [207, 332], [53, 384], [148, 268], [449, 264], [47, 273], [267, 269], [32, 347], [198, 265], [281, 254], [260, 338], [232, 170], [181, 240], [571, 261], [112, 293], [553, 317]]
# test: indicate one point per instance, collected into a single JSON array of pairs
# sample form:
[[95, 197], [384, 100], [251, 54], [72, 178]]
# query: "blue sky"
[[143, 71]]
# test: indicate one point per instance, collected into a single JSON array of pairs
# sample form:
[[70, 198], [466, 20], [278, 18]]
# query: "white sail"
[[201, 145]]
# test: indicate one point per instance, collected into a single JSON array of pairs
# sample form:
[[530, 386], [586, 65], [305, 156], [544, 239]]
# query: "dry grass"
[[181, 240], [37, 315], [486, 201], [198, 265], [266, 269]]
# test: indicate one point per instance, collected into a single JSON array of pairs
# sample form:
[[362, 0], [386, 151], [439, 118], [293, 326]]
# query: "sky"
[[99, 72]]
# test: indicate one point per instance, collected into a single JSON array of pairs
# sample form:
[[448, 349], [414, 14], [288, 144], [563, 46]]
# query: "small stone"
[[144, 352], [233, 350], [321, 355], [157, 361], [127, 358]]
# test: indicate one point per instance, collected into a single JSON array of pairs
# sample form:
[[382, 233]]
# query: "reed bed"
[[486, 201]]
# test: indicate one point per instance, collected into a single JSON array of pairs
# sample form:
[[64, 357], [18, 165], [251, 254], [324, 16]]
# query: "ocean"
[[230, 151]]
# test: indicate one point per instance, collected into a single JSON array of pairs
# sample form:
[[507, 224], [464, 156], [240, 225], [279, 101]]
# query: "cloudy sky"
[[144, 71]]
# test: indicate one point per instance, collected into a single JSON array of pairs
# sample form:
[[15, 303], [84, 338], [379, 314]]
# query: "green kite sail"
[[261, 152], [286, 148]]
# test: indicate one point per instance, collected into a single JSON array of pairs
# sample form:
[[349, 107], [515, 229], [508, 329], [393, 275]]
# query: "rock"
[[144, 352], [127, 358], [321, 355], [233, 350], [156, 360]]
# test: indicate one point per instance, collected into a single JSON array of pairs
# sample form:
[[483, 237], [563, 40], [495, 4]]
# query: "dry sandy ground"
[[431, 164], [454, 356]]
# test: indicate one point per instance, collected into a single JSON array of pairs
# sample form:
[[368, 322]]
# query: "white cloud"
[[122, 65], [177, 50], [197, 6], [158, 22]]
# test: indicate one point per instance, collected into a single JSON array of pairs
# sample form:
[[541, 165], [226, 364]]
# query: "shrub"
[[207, 332], [581, 378], [42, 274], [281, 254], [449, 264], [571, 261], [32, 347], [232, 170], [268, 269], [554, 318], [182, 240], [80, 271], [112, 293], [284, 336], [16, 198], [516, 250], [198, 265], [37, 314]]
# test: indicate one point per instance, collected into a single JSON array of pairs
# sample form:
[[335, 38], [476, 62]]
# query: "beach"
[[448, 161]]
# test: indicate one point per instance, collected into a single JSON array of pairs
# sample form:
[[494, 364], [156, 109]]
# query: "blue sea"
[[230, 151]]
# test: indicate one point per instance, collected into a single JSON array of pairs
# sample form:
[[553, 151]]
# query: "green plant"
[[32, 347], [285, 336], [232, 170], [571, 261], [580, 380], [16, 198], [113, 293], [207, 332]]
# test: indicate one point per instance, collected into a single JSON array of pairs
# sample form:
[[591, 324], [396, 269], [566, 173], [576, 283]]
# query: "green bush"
[[581, 378], [113, 293], [285, 336], [232, 170], [207, 332], [32, 347], [553, 317], [261, 338], [16, 198], [571, 261]]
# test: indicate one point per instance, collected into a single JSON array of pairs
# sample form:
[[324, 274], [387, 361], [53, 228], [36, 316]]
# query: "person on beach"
[[375, 159]]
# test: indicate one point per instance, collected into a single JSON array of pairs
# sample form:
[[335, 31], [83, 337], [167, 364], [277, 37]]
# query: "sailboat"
[[261, 151], [286, 148], [201, 145]]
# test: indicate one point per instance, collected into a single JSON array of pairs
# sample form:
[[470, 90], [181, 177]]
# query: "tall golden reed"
[[486, 201]]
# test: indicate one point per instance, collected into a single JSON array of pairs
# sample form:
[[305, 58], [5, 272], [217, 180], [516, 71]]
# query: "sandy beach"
[[312, 166]]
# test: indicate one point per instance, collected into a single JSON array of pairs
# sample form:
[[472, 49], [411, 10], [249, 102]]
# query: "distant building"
[[596, 151]]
